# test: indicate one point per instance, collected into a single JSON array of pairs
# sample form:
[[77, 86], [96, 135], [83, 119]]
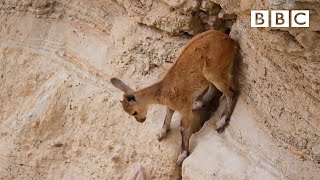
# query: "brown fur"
[[206, 60]]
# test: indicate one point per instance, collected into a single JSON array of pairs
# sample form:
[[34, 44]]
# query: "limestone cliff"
[[61, 119]]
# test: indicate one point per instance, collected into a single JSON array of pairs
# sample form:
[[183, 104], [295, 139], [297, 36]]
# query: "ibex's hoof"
[[183, 155], [220, 130], [162, 134], [197, 105], [221, 124]]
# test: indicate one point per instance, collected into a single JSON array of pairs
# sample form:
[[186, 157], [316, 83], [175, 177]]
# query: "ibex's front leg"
[[205, 99], [185, 135], [166, 124], [187, 127], [190, 123]]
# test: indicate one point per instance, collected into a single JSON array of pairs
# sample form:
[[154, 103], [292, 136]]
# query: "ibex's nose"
[[141, 120]]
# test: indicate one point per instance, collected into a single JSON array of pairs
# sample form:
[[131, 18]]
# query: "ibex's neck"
[[151, 94]]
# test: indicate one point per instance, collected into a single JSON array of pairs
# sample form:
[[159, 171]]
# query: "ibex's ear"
[[120, 85]]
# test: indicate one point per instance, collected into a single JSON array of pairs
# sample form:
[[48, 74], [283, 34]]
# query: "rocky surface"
[[61, 119], [245, 150], [281, 77]]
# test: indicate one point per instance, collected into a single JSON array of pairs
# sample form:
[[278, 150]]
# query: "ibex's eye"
[[135, 113], [131, 98]]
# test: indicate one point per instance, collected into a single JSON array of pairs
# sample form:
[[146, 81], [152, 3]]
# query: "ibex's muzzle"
[[141, 120]]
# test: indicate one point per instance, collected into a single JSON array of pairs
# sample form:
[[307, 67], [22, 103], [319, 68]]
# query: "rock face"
[[280, 76], [61, 119], [244, 151]]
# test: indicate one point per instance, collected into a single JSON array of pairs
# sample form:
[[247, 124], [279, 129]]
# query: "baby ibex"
[[205, 64]]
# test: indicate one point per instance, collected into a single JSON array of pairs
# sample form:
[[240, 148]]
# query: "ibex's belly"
[[185, 92], [196, 91]]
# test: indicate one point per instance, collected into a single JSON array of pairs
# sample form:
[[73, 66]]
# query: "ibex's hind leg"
[[226, 86], [231, 99], [225, 117], [166, 124], [205, 99]]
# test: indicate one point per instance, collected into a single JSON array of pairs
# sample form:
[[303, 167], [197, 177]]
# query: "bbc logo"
[[280, 18]]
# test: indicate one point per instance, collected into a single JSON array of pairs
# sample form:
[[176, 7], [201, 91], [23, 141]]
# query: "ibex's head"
[[130, 103]]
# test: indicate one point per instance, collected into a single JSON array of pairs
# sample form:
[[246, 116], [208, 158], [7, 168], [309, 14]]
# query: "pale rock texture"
[[279, 78], [244, 151], [61, 119]]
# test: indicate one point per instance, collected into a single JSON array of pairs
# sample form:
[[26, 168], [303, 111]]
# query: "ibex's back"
[[207, 54]]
